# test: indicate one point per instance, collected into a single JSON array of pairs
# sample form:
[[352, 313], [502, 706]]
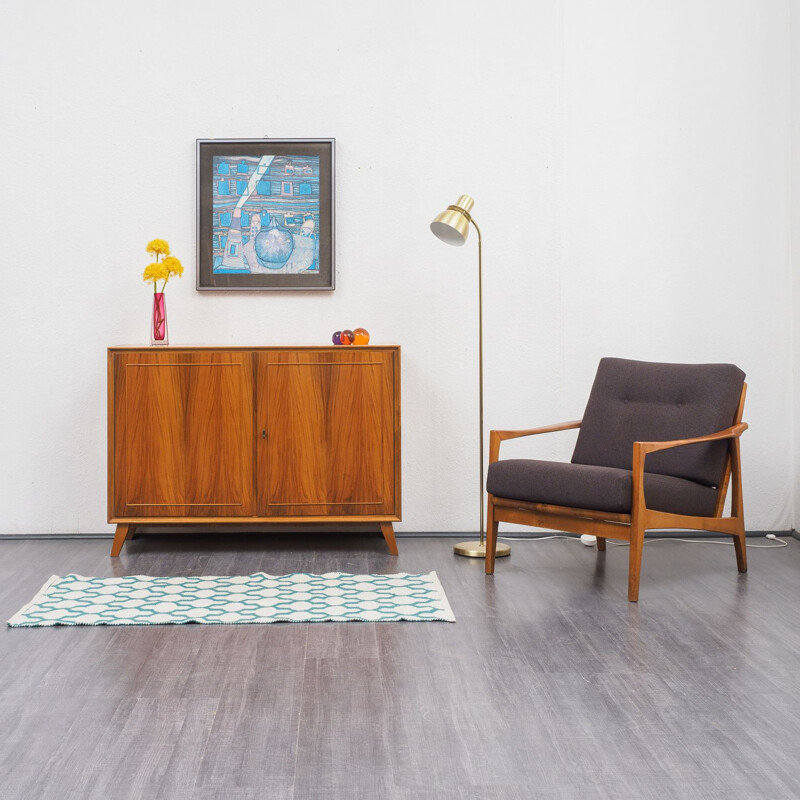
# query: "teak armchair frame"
[[627, 527]]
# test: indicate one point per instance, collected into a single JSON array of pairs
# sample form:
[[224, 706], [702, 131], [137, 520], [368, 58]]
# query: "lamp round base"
[[477, 549]]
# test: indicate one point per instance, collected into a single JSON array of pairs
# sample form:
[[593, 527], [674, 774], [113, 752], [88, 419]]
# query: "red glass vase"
[[158, 327]]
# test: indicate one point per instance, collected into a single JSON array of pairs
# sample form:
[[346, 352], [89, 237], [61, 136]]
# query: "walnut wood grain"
[[492, 525], [121, 535], [496, 437], [548, 508], [388, 534], [259, 521], [183, 434], [327, 433], [253, 436], [570, 523], [722, 490]]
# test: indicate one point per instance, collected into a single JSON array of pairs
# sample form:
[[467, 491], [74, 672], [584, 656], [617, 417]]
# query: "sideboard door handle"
[[264, 433]]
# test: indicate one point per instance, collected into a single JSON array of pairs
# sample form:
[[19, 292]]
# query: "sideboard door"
[[326, 430], [183, 434]]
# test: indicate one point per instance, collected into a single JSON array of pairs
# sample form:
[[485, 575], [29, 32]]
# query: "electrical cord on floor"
[[536, 538], [772, 536], [782, 542]]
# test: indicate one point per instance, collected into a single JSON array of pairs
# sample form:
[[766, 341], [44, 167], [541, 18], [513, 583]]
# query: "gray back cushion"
[[639, 401]]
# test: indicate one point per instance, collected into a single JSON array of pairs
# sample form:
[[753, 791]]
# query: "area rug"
[[258, 598]]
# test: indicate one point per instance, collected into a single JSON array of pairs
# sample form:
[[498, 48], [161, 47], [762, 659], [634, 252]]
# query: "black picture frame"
[[265, 214]]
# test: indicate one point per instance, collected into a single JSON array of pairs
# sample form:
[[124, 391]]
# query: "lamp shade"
[[452, 225]]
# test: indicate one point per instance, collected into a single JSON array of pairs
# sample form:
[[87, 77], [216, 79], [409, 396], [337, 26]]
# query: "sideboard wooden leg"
[[388, 533], [122, 533]]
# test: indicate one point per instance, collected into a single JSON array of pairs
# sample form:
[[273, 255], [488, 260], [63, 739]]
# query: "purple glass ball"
[[337, 337]]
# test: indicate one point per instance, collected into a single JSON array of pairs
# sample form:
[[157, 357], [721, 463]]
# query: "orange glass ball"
[[346, 337], [360, 336]]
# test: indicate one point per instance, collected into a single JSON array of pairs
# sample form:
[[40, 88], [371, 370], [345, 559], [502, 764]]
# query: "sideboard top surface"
[[178, 348]]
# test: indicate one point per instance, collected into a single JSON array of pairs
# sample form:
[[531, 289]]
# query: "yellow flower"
[[155, 272], [173, 266], [164, 267], [158, 247]]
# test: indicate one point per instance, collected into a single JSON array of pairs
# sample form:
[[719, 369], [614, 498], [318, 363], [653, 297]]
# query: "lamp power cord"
[[771, 536]]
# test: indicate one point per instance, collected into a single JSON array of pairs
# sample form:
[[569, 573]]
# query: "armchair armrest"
[[641, 449], [734, 432], [495, 437]]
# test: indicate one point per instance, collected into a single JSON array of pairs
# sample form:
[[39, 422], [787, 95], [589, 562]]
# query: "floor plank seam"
[[300, 711]]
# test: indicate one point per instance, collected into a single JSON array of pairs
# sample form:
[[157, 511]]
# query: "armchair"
[[657, 448]]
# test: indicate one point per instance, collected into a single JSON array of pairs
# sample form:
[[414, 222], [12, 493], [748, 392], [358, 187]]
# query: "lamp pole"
[[452, 227], [480, 371]]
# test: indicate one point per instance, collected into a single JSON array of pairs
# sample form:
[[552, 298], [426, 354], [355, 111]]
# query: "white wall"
[[628, 160]]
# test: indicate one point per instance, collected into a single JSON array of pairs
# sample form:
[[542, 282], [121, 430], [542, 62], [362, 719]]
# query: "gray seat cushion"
[[639, 401], [597, 488]]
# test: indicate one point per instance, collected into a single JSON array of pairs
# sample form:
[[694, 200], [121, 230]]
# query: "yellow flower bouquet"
[[162, 269]]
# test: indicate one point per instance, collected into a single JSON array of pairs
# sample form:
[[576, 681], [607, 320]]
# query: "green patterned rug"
[[258, 598]]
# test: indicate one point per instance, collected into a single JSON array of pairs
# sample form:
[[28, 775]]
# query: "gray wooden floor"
[[550, 685]]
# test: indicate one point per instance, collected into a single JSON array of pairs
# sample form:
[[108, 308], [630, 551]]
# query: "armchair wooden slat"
[[726, 476], [547, 508], [560, 522]]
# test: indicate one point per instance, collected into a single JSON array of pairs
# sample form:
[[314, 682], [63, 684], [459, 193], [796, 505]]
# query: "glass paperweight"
[[347, 337], [361, 336], [337, 337]]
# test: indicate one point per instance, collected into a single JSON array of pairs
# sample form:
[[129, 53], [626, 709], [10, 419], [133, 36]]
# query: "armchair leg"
[[740, 546], [635, 561], [491, 536], [737, 506]]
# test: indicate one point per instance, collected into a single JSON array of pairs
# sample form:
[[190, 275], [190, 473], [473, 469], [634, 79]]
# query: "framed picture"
[[265, 214]]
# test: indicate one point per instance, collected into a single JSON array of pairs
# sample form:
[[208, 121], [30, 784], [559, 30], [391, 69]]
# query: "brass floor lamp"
[[452, 227]]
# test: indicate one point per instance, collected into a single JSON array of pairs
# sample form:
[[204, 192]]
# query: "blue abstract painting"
[[266, 214]]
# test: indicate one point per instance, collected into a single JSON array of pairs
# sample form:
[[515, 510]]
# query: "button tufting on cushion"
[[667, 401]]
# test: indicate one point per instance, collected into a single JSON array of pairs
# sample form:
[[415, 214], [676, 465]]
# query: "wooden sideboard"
[[253, 435]]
